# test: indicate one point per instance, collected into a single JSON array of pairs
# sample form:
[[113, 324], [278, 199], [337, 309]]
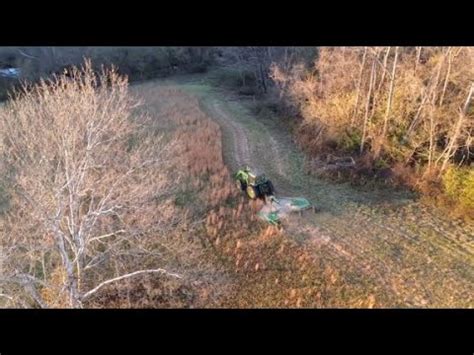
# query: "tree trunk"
[[385, 59], [451, 148], [448, 71], [431, 92], [418, 55], [367, 107], [390, 94], [374, 96], [262, 78], [432, 136], [356, 107]]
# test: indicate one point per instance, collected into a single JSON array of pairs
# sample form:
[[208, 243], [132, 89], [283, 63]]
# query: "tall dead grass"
[[212, 237], [266, 267]]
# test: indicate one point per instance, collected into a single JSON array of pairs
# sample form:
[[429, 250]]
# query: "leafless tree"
[[85, 170], [39, 61], [456, 132]]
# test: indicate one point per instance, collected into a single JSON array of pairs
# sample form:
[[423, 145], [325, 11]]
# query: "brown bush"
[[405, 106]]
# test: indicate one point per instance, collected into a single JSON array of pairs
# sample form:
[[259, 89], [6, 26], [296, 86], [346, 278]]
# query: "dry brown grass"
[[265, 267], [226, 257], [196, 155]]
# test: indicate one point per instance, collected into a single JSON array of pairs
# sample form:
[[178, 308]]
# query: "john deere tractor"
[[255, 185]]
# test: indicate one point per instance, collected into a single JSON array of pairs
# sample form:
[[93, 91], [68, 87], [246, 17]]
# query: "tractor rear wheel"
[[270, 188], [266, 189], [252, 192]]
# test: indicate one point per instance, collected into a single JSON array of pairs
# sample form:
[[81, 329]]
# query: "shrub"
[[350, 141], [458, 184]]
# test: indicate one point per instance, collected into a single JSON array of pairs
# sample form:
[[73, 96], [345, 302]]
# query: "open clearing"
[[416, 256]]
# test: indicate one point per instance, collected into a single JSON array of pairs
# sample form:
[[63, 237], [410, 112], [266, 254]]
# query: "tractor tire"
[[252, 192], [266, 189], [270, 188]]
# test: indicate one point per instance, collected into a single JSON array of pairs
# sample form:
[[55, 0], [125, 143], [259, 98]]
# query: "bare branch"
[[106, 235], [27, 55], [7, 297], [105, 283]]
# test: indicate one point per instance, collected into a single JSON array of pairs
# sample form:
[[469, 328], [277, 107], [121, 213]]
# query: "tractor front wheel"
[[252, 192]]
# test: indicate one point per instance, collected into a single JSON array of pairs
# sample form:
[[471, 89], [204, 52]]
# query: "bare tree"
[[85, 169], [429, 93], [39, 61], [456, 132]]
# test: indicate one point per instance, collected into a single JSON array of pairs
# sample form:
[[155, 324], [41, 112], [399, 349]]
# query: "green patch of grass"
[[132, 142], [185, 198], [381, 164], [198, 89], [4, 199], [232, 78], [231, 202]]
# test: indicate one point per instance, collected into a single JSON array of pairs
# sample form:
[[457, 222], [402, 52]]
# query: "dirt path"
[[240, 144], [415, 256]]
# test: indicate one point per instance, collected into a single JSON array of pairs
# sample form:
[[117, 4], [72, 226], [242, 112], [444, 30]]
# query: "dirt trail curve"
[[415, 256]]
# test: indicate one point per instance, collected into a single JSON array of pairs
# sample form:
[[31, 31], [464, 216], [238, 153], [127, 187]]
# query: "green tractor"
[[258, 186], [255, 185]]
